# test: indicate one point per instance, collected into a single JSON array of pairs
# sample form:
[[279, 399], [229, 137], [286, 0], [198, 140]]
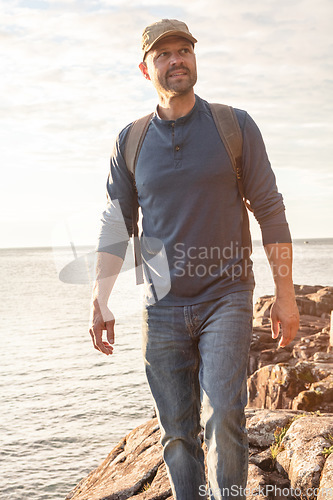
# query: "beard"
[[177, 86]]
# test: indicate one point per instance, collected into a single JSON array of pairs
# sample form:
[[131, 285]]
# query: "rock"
[[313, 347], [275, 386], [323, 357], [256, 484], [326, 481], [318, 397], [134, 469], [312, 340], [305, 386], [262, 459], [262, 309], [311, 324], [311, 300], [158, 489], [325, 387], [301, 456], [321, 302], [261, 425], [306, 289], [268, 486], [130, 467], [307, 400]]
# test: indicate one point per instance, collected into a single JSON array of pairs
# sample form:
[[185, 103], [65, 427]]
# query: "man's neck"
[[172, 108]]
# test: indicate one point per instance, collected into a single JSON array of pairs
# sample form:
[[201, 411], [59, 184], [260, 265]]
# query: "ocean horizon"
[[305, 240]]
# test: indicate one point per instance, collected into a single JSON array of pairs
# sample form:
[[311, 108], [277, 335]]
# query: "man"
[[196, 335]]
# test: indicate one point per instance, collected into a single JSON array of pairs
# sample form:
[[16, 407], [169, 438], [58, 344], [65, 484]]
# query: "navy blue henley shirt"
[[191, 206]]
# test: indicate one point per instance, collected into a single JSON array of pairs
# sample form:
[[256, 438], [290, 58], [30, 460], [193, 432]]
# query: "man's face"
[[171, 66]]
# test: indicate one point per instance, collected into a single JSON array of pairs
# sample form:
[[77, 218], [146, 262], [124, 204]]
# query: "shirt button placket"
[[177, 147]]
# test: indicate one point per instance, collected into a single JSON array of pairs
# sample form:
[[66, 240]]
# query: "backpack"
[[231, 135]]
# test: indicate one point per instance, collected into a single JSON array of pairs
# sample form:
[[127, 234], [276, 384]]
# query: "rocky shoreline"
[[289, 419]]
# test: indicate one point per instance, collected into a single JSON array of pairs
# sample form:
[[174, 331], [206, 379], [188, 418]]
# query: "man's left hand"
[[284, 312]]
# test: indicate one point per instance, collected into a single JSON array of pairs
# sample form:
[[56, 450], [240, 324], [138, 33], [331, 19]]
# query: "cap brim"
[[170, 33]]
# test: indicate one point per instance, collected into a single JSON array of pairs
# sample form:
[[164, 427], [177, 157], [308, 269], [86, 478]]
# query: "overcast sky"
[[70, 81]]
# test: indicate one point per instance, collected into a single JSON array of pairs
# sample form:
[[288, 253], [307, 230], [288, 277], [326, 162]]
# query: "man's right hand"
[[101, 320]]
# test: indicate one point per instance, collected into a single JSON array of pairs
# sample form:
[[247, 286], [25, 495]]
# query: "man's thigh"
[[225, 339], [172, 362]]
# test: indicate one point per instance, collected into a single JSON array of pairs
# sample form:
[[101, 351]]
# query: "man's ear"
[[144, 70]]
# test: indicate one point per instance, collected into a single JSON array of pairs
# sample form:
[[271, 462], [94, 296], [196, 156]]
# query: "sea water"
[[63, 404]]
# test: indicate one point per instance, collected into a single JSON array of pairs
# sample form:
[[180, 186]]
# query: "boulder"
[[129, 470], [316, 303], [262, 310], [313, 346], [158, 489], [301, 456], [261, 425], [275, 386], [311, 300], [134, 469], [318, 397], [326, 480], [256, 484], [310, 344], [267, 485], [305, 386]]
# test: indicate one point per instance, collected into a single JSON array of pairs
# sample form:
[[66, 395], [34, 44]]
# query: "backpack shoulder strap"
[[230, 132], [228, 127], [231, 135], [134, 140]]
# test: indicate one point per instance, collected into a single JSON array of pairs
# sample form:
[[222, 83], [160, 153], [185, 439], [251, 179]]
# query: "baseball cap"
[[161, 29]]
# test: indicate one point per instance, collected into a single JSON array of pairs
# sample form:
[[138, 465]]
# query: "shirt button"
[[177, 148]]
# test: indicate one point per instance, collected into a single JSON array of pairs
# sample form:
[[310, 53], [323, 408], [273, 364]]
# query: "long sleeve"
[[116, 223], [260, 187]]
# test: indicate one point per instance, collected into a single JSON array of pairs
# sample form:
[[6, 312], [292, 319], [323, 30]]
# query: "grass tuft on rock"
[[328, 451], [280, 433]]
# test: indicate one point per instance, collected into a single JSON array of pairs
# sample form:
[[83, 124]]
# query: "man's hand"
[[284, 312], [101, 320], [107, 269]]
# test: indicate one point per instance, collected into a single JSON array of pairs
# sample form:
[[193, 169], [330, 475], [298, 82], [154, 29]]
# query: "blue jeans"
[[196, 365]]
